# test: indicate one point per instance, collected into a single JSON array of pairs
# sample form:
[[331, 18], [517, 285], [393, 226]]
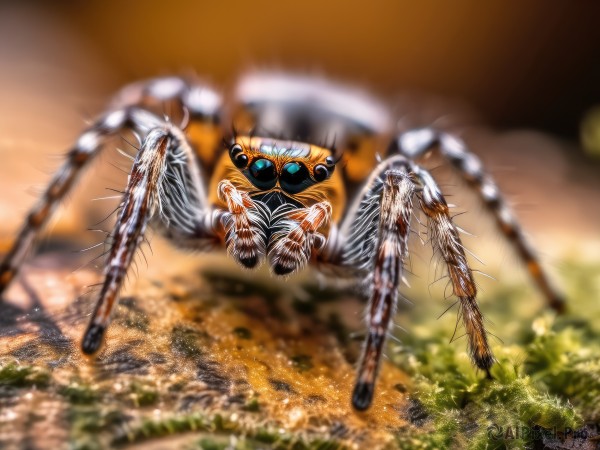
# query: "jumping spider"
[[279, 192]]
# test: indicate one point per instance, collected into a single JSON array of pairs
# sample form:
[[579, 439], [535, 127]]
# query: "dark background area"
[[519, 76], [530, 63]]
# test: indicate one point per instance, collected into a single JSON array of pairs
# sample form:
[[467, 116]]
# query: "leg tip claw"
[[92, 340], [362, 397]]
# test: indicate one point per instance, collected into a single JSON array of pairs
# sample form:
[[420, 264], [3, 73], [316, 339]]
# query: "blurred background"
[[519, 82]]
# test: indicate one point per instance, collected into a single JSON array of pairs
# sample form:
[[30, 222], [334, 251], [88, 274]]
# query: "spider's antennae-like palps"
[[415, 143]]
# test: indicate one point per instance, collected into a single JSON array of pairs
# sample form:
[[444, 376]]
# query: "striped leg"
[[373, 240], [163, 173], [414, 143], [86, 147], [123, 113], [391, 249], [446, 241]]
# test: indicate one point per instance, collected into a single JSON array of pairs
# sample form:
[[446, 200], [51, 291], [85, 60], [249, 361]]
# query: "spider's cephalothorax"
[[278, 193]]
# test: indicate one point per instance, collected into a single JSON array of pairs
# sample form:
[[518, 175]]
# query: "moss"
[[211, 444], [13, 374], [142, 395], [186, 341], [79, 393], [545, 379], [302, 362], [252, 405]]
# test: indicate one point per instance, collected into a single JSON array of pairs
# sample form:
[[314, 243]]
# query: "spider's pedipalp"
[[291, 248], [445, 240], [244, 236], [415, 143]]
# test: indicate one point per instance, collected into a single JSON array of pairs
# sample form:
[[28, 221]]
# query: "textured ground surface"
[[205, 359], [203, 352]]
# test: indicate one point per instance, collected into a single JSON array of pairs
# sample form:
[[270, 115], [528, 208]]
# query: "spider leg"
[[372, 244], [415, 143], [392, 239], [123, 113], [446, 240], [86, 147], [163, 174]]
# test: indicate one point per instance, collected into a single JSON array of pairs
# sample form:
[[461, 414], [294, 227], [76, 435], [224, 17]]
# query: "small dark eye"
[[238, 157], [320, 172], [263, 174], [294, 173]]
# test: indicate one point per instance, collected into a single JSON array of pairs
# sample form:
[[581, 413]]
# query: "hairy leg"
[[415, 143], [162, 173], [446, 241], [124, 112], [392, 248]]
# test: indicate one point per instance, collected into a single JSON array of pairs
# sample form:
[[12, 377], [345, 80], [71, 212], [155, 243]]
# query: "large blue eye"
[[294, 177], [262, 173]]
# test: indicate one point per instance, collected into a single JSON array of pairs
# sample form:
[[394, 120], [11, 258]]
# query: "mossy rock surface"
[[215, 358]]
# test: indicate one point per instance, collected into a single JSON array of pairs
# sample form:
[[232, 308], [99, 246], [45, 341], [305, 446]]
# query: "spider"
[[278, 192]]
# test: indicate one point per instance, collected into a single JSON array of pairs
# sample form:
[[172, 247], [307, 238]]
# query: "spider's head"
[[277, 171], [289, 166]]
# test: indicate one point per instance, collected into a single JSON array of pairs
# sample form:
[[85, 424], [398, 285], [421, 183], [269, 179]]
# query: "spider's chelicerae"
[[278, 192]]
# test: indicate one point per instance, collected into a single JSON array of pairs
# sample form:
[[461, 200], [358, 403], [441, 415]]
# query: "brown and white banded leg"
[[292, 247], [85, 149], [164, 182], [444, 237], [415, 143], [391, 249], [123, 113], [372, 242], [244, 236]]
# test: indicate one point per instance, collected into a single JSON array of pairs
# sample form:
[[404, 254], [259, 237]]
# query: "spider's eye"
[[294, 173], [262, 173], [294, 177], [320, 172], [238, 157]]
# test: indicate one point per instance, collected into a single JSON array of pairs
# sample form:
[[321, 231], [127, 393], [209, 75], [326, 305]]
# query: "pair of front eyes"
[[262, 172]]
